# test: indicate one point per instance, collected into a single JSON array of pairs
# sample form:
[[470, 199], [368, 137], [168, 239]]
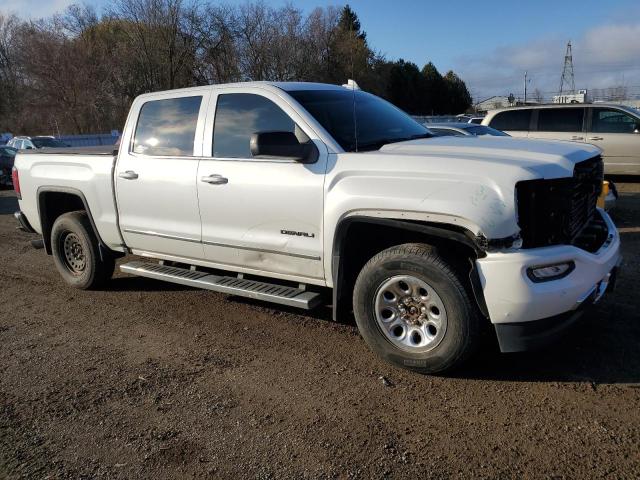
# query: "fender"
[[44, 220], [444, 231]]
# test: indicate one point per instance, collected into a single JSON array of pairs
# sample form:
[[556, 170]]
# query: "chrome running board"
[[270, 292]]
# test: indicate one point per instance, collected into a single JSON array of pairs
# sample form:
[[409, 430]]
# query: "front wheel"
[[413, 310], [76, 253]]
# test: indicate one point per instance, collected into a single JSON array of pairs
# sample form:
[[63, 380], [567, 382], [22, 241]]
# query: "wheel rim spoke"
[[410, 313]]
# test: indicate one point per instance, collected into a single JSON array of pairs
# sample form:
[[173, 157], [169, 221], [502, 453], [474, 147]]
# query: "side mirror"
[[282, 145]]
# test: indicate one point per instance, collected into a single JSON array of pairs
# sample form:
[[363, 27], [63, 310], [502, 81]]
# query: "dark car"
[[462, 130], [42, 142], [7, 156]]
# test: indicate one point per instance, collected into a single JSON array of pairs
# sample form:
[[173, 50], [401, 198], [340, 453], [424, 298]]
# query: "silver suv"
[[613, 128]]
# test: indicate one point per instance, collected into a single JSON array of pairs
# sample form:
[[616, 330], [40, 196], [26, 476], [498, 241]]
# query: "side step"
[[294, 297]]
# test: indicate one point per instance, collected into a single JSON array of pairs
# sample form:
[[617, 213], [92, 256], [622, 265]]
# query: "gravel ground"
[[152, 380]]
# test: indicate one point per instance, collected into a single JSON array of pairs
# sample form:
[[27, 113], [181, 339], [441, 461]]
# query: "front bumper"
[[514, 301]]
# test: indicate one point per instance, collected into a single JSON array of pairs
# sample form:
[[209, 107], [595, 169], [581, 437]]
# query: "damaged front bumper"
[[528, 314]]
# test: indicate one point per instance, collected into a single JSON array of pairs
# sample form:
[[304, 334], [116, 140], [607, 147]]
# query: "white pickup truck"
[[285, 192]]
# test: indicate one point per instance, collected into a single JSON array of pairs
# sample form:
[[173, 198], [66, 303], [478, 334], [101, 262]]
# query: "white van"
[[613, 128]]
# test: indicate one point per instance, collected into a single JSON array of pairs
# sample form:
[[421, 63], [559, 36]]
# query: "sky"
[[490, 43]]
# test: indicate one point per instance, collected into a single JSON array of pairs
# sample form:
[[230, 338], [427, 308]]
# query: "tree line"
[[77, 72]]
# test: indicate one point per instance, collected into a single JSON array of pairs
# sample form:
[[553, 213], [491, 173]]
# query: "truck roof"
[[286, 86]]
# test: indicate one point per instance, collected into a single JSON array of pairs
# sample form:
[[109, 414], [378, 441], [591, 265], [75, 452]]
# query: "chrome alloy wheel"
[[74, 256], [410, 313]]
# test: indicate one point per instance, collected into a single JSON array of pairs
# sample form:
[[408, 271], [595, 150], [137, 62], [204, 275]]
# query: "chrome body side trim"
[[240, 247]]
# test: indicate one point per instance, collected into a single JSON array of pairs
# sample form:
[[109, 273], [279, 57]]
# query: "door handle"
[[596, 138], [215, 179], [576, 137], [128, 175]]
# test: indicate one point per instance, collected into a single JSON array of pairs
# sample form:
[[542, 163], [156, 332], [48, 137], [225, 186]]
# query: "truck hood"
[[547, 159], [464, 181]]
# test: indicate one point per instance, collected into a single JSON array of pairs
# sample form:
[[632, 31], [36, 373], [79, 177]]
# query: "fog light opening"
[[546, 273]]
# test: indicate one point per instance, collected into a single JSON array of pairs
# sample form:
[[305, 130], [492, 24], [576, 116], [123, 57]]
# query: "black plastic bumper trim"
[[525, 336]]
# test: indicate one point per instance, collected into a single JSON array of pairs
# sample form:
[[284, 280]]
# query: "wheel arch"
[[54, 201], [347, 261]]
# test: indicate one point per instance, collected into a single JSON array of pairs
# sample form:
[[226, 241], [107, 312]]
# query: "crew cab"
[[303, 193]]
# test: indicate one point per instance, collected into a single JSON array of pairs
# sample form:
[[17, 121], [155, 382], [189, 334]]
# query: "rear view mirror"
[[282, 145]]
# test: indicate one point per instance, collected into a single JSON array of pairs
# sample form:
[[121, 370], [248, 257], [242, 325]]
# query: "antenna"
[[567, 71]]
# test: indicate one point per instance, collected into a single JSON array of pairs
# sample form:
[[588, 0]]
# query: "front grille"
[[554, 212]]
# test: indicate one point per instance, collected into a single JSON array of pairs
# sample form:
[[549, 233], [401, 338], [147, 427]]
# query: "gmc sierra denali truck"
[[285, 192]]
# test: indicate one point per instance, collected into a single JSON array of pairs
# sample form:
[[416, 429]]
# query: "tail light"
[[16, 182]]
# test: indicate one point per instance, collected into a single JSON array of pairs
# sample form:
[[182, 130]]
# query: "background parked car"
[[7, 156], [28, 143], [463, 130], [613, 128]]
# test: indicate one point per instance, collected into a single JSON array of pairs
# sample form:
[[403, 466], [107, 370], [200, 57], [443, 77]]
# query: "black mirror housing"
[[283, 145]]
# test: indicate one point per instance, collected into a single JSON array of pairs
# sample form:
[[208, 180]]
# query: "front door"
[[156, 178], [617, 133], [262, 215]]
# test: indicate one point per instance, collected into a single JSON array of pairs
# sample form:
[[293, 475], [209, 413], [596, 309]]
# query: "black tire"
[[462, 331], [81, 265]]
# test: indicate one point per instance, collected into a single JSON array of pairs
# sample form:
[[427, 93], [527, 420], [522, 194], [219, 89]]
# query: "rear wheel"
[[76, 253], [413, 310]]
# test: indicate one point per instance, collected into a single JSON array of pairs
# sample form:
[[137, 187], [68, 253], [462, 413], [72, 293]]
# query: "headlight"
[[555, 271]]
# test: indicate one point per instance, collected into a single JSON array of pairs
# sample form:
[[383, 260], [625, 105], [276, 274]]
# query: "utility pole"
[[525, 87], [567, 72]]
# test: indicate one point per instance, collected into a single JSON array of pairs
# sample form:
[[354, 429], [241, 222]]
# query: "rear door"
[[564, 123], [515, 122], [156, 176], [261, 214], [617, 133]]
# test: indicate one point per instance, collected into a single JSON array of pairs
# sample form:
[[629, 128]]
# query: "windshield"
[[482, 130], [378, 122], [47, 142]]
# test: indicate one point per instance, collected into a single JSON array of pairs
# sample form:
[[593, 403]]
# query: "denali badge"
[[298, 234]]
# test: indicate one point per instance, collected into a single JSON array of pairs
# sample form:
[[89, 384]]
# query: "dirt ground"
[[152, 380]]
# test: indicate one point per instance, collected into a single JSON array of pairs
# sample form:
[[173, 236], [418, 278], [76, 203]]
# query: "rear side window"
[[511, 120], [238, 116], [167, 127], [607, 120], [560, 119]]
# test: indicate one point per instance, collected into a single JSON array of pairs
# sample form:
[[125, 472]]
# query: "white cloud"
[[34, 9], [604, 56]]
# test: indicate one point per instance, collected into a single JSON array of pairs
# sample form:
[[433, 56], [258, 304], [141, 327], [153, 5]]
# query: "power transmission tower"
[[567, 72]]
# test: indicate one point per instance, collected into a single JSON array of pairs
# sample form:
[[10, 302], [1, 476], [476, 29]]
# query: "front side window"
[[607, 120], [560, 119], [167, 127], [514, 120], [238, 116], [343, 113]]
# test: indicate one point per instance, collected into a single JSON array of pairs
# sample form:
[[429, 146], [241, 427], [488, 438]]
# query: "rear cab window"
[[167, 127], [561, 119], [512, 120]]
